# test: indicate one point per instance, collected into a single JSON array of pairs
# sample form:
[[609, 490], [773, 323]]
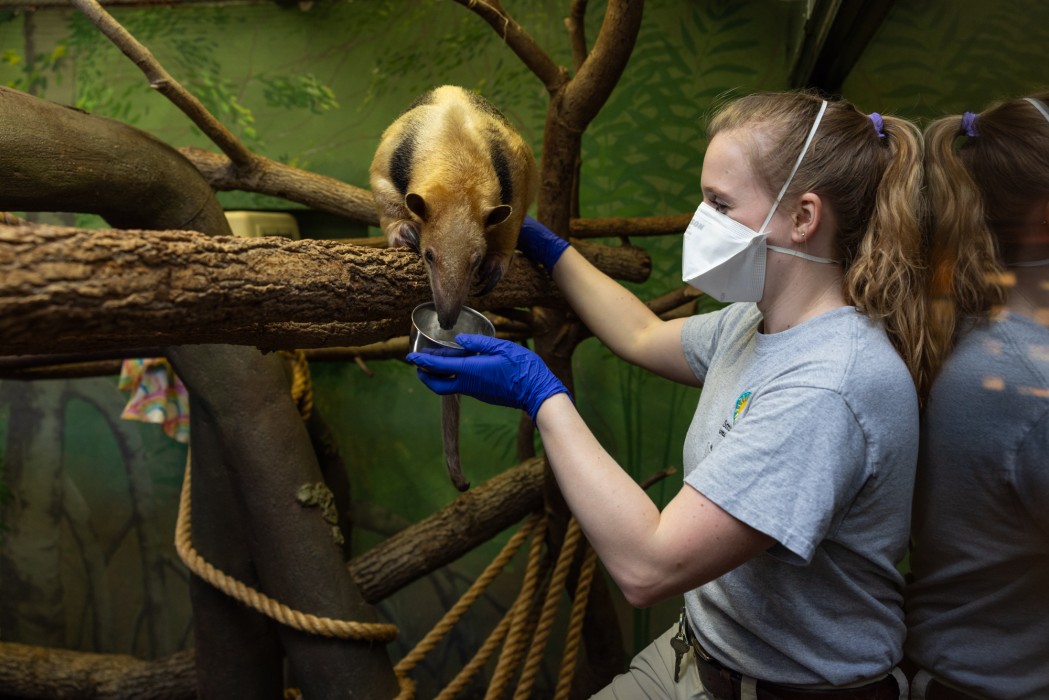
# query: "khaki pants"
[[651, 677]]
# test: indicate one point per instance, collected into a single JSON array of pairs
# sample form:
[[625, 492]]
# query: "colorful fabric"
[[157, 395]]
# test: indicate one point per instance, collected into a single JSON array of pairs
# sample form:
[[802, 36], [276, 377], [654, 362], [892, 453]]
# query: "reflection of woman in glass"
[[978, 609]]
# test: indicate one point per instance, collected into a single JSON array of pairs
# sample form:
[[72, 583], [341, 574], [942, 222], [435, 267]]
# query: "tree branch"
[[266, 176], [162, 81], [65, 289], [576, 25], [520, 42], [586, 94]]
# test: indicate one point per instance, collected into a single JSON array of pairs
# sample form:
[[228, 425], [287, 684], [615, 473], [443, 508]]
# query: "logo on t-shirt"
[[741, 405]]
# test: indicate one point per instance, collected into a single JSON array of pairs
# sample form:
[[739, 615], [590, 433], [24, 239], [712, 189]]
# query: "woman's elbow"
[[644, 592]]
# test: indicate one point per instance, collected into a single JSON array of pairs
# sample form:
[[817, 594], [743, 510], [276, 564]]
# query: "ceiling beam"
[[834, 36]]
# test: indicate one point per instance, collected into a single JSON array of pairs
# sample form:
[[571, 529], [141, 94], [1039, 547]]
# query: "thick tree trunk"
[[30, 555], [573, 105], [263, 447]]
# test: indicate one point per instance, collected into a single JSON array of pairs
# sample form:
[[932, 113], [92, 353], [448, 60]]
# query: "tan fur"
[[452, 173]]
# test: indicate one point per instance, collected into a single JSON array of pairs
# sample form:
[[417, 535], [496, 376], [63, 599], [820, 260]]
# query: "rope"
[[273, 609], [520, 622], [505, 628], [546, 617], [450, 618], [575, 624]]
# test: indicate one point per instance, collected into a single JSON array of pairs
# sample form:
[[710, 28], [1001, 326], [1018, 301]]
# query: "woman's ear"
[[807, 217]]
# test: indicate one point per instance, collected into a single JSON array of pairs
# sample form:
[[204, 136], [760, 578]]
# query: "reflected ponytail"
[[965, 273], [983, 170]]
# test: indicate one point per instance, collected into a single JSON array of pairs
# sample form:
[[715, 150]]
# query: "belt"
[[724, 684], [938, 691]]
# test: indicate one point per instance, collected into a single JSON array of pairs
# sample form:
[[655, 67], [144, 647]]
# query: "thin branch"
[[520, 42], [274, 178], [630, 227], [161, 80], [576, 25], [657, 477], [597, 77]]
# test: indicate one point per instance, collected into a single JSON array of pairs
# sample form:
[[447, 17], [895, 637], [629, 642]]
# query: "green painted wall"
[[315, 89]]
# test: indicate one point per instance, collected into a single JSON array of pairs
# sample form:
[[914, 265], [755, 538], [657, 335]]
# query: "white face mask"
[[726, 259]]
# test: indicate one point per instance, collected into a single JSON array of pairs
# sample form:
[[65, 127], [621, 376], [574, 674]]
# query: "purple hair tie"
[[879, 124], [969, 124]]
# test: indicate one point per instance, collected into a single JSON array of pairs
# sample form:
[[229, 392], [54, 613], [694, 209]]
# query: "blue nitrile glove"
[[503, 373], [540, 244]]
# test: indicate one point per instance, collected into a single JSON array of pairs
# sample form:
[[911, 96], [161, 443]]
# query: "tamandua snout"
[[453, 180]]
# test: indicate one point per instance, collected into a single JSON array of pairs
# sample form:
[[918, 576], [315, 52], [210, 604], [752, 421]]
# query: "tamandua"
[[453, 180]]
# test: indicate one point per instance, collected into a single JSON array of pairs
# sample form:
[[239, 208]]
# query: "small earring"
[[802, 234]]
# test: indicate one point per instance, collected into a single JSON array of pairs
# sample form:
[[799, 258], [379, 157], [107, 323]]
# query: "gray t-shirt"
[[978, 609], [809, 435]]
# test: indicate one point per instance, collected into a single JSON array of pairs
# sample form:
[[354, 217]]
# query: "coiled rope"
[[515, 627]]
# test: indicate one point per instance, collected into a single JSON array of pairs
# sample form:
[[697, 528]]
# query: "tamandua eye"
[[429, 257]]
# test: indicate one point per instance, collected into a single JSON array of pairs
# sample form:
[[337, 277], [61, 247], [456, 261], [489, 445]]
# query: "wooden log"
[[66, 289], [37, 672]]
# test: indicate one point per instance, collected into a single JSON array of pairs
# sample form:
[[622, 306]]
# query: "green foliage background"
[[315, 89]]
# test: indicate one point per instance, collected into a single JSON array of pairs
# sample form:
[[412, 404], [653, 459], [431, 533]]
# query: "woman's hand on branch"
[[540, 244]]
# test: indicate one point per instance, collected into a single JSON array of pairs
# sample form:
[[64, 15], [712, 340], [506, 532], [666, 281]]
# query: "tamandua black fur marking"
[[453, 180]]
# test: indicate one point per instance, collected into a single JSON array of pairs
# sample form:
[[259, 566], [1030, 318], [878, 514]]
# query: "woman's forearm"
[[651, 555], [622, 321]]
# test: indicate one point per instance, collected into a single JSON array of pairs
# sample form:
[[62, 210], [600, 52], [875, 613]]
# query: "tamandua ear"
[[498, 215], [416, 205]]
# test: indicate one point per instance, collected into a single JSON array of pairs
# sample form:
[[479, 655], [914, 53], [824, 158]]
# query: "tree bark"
[[470, 520], [31, 672], [65, 289], [57, 158]]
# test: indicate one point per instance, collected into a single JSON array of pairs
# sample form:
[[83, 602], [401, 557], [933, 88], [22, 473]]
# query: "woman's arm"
[[618, 318], [622, 321], [651, 555]]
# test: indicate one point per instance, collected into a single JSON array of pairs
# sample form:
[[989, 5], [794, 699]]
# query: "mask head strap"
[[797, 164], [1039, 106]]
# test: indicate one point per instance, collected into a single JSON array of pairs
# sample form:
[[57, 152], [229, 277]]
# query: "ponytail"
[[884, 273]]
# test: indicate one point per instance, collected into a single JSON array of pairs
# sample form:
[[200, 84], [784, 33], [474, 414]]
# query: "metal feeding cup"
[[427, 335]]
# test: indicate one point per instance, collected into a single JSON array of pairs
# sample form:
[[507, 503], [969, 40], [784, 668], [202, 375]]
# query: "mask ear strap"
[[797, 164]]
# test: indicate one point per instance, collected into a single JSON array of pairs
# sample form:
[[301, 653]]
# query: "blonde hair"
[[872, 181], [982, 171]]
